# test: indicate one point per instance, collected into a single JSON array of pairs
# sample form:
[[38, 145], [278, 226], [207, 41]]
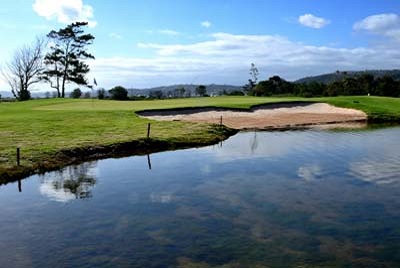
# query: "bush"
[[156, 94], [76, 93], [236, 93], [118, 93], [24, 95], [87, 95], [101, 93]]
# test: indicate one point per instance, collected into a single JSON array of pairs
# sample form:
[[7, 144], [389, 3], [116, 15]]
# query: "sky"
[[148, 43]]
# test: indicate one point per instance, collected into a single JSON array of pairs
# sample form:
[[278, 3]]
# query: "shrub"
[[118, 93]]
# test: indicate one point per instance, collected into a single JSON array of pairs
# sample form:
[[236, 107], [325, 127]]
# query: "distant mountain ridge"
[[339, 75], [6, 94], [211, 89]]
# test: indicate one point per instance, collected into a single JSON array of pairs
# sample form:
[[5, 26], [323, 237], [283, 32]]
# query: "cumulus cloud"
[[309, 20], [206, 24], [383, 24], [226, 58], [65, 11]]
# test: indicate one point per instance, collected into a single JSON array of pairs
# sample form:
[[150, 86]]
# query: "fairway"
[[44, 128]]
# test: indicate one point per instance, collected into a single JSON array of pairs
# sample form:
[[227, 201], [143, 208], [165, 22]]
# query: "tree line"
[[63, 62], [121, 93], [365, 84]]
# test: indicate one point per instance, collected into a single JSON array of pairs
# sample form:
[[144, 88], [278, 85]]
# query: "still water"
[[260, 199]]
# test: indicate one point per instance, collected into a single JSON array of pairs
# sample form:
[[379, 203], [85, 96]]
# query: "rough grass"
[[42, 128]]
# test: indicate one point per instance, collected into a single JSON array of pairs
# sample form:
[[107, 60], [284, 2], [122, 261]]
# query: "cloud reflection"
[[161, 197], [247, 145], [309, 172], [376, 172], [74, 182]]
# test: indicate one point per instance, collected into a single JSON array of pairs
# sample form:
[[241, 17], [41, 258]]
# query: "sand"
[[266, 117]]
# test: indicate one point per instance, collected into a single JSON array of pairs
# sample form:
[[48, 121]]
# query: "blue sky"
[[158, 42]]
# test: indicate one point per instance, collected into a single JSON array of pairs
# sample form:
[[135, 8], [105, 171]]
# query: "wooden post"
[[18, 157], [148, 130], [220, 121]]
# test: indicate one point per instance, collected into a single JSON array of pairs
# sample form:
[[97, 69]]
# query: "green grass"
[[377, 108], [42, 128], [107, 105]]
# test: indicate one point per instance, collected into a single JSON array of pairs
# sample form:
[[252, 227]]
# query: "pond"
[[312, 198]]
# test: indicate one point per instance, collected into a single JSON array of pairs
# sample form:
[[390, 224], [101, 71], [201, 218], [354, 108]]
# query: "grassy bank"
[[53, 133], [378, 109]]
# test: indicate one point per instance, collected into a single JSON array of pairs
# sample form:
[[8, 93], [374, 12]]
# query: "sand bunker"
[[265, 117]]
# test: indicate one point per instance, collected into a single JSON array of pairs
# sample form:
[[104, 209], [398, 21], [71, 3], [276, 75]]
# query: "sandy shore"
[[266, 117]]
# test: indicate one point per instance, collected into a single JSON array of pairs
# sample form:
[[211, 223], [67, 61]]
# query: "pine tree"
[[65, 61]]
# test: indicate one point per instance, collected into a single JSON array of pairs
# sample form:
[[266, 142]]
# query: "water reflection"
[[254, 143], [148, 161], [74, 182], [161, 197], [19, 186], [264, 199], [262, 144], [309, 172], [379, 172]]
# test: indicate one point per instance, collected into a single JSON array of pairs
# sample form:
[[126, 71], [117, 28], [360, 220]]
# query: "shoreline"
[[142, 146], [75, 156]]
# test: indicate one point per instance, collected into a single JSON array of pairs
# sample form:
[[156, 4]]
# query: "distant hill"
[[6, 94], [337, 76], [211, 89]]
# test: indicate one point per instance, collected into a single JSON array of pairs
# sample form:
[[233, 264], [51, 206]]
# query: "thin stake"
[[220, 121], [148, 130], [18, 156]]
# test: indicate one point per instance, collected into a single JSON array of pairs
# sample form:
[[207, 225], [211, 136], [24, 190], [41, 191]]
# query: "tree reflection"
[[74, 182], [254, 143]]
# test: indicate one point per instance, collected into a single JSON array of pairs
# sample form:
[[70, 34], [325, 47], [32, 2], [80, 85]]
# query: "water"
[[260, 199]]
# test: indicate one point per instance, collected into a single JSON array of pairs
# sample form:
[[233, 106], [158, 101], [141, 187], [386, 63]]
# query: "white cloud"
[[226, 58], [312, 21], [206, 24], [384, 24], [168, 32], [65, 11]]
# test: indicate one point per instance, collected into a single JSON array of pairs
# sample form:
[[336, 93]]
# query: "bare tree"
[[24, 69]]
